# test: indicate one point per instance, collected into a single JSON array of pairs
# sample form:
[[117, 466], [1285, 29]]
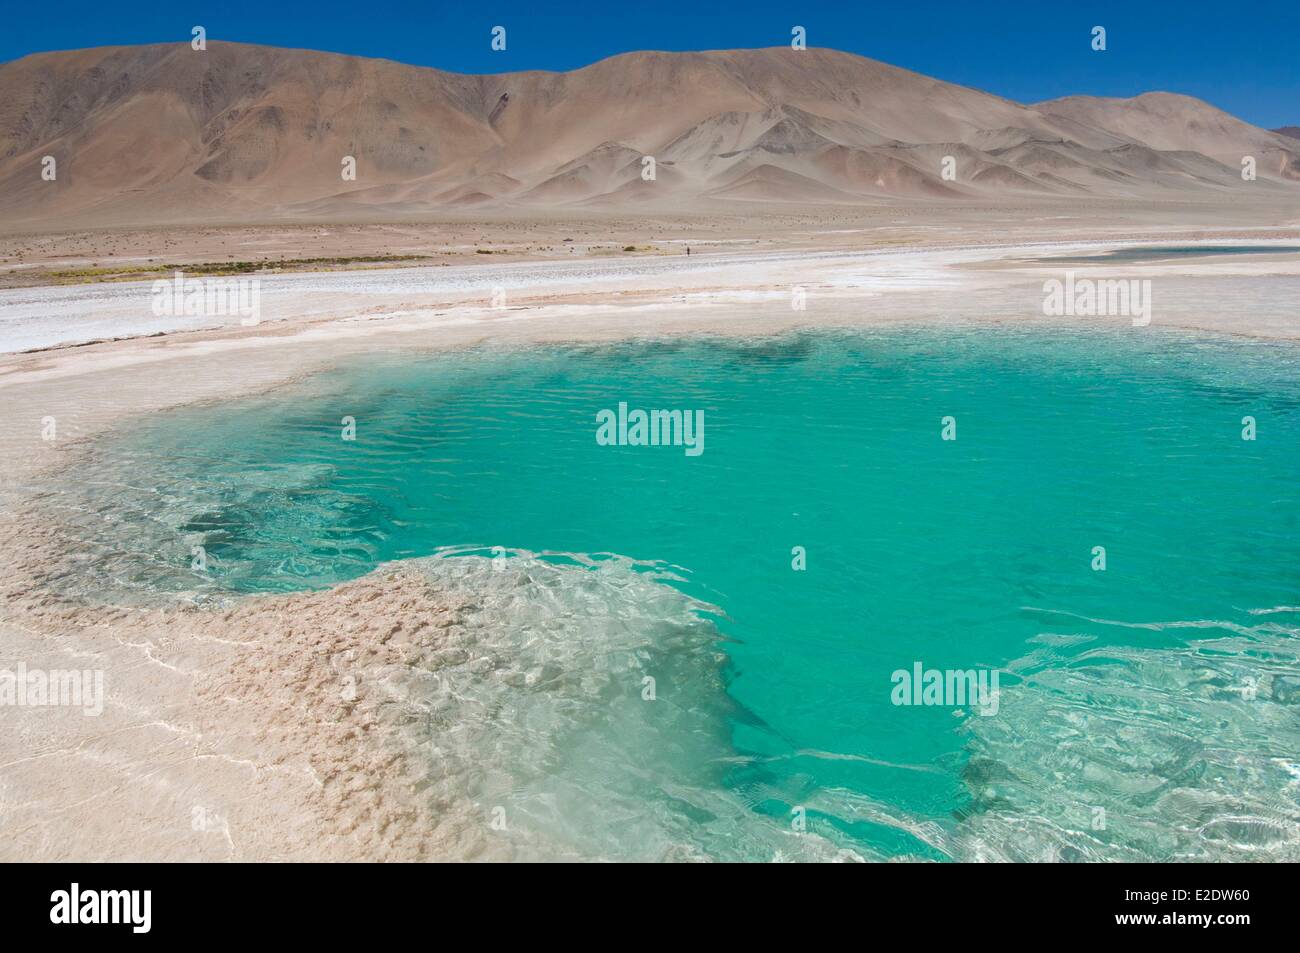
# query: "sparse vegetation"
[[221, 268]]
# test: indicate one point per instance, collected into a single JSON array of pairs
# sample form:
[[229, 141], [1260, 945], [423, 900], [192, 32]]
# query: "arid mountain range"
[[165, 133]]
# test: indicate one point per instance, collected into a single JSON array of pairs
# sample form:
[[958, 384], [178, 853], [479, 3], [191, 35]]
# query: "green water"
[[1162, 692]]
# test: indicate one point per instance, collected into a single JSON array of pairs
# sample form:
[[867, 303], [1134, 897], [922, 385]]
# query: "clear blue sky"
[[1242, 56]]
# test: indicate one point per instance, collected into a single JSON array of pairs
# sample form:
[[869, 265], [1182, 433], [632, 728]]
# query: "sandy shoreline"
[[274, 728]]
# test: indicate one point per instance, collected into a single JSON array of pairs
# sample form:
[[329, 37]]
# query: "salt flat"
[[43, 317]]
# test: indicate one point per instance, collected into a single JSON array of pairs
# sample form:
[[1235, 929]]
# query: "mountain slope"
[[164, 133], [1170, 122]]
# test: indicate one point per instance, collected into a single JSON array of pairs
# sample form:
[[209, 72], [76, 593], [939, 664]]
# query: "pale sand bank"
[[242, 712]]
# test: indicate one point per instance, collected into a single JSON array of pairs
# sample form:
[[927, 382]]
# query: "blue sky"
[[1242, 57]]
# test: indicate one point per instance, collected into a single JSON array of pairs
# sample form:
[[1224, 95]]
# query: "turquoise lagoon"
[[1147, 711]]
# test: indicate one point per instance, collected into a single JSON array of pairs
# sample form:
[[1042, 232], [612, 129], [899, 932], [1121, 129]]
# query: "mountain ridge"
[[161, 133]]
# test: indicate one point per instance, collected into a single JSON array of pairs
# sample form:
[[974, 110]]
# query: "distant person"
[[688, 251]]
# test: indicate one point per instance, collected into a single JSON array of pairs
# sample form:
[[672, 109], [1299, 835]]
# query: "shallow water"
[[1145, 253], [1149, 710]]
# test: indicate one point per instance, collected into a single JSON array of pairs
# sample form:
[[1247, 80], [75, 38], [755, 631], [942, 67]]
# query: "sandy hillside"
[[164, 134]]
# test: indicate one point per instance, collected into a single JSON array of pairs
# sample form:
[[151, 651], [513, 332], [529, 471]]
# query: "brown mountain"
[[165, 133], [1291, 132]]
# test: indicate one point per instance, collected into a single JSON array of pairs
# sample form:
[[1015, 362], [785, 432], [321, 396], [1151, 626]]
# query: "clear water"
[[1151, 710]]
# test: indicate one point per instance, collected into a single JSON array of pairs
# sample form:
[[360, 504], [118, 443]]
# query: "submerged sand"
[[286, 727]]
